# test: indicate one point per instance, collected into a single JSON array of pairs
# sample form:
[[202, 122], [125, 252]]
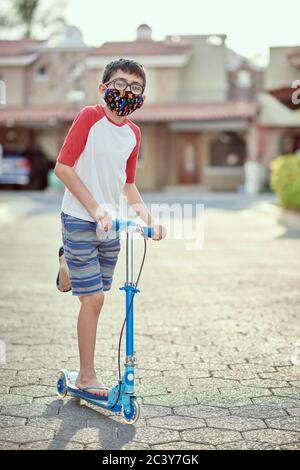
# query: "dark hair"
[[127, 66]]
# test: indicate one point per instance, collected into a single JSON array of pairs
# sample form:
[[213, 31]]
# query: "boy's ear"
[[101, 88]]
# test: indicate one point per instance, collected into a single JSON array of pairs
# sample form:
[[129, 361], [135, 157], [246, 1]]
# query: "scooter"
[[121, 399]]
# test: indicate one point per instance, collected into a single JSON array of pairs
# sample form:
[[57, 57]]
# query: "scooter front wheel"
[[134, 413], [61, 385]]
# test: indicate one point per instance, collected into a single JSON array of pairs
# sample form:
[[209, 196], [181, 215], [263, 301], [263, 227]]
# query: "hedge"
[[285, 180]]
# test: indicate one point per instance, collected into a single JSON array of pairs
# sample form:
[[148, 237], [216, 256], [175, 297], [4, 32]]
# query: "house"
[[279, 119], [199, 123]]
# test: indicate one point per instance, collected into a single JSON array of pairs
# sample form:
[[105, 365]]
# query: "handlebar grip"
[[116, 225], [148, 232], [119, 224]]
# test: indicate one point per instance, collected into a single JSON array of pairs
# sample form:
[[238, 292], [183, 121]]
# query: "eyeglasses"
[[121, 84]]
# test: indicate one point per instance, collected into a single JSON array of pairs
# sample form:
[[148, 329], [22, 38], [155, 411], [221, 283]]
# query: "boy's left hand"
[[159, 232]]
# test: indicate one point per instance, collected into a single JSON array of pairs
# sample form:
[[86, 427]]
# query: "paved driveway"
[[217, 334]]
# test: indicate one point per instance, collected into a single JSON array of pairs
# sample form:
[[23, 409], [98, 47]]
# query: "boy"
[[97, 163]]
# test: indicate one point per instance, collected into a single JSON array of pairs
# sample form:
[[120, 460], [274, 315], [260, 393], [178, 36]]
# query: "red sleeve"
[[76, 138], [132, 159]]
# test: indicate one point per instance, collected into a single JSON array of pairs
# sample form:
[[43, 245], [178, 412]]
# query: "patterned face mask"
[[122, 103]]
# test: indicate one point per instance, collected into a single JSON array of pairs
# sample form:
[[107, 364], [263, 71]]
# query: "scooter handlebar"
[[145, 230], [148, 232]]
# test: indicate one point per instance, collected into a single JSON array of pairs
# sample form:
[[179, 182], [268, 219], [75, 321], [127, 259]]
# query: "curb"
[[289, 218]]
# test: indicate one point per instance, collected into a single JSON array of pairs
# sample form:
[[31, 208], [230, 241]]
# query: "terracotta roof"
[[140, 47], [29, 114], [148, 113], [284, 95], [18, 46], [196, 111]]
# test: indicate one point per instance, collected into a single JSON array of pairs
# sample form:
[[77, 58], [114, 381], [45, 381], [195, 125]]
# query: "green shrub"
[[285, 180]]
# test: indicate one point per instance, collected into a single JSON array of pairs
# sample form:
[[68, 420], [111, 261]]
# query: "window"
[[228, 149], [41, 74], [189, 158], [76, 71], [243, 79]]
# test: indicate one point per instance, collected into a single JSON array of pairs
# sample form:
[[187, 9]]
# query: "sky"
[[251, 26]]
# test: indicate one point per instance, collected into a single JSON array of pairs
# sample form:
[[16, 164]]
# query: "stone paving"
[[217, 338]]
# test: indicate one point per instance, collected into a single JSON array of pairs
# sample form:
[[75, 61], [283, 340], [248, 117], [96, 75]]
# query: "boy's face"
[[130, 77]]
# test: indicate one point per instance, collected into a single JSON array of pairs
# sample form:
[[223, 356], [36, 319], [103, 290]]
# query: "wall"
[[49, 142], [146, 171], [204, 77], [54, 89], [14, 78], [280, 72]]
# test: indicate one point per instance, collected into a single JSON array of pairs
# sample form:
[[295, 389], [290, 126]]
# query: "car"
[[15, 169], [26, 170]]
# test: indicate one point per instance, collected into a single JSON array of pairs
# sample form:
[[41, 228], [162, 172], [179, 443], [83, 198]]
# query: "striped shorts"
[[91, 262]]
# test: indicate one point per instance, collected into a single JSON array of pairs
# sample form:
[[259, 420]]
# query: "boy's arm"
[[70, 151], [135, 200]]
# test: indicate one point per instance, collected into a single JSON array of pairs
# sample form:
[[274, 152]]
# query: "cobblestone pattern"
[[216, 336]]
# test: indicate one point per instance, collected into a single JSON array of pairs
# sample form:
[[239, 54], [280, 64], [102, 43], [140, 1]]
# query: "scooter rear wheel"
[[61, 385], [134, 412]]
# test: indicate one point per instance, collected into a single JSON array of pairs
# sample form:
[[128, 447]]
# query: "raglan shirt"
[[104, 155]]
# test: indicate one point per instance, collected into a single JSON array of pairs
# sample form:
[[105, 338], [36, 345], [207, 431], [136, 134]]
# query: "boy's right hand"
[[103, 218]]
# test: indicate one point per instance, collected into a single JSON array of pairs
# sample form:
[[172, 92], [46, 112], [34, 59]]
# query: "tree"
[[29, 19]]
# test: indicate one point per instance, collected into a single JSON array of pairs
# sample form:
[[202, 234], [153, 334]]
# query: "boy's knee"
[[94, 301]]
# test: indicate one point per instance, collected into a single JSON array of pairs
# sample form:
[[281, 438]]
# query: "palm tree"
[[29, 19]]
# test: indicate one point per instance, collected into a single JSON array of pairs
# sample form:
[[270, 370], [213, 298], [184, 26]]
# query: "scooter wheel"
[[61, 385], [134, 412]]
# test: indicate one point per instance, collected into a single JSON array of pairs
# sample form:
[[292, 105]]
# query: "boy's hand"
[[103, 218], [159, 232], [105, 222]]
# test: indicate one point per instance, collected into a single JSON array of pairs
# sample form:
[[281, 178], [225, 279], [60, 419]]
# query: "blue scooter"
[[121, 399]]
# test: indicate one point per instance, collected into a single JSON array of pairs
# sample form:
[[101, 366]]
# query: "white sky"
[[251, 26]]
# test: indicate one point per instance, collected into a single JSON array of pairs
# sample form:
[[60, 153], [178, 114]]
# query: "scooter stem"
[[129, 257], [130, 291]]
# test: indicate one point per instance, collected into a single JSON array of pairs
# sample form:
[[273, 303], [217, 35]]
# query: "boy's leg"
[[108, 254], [63, 281], [91, 306], [81, 254]]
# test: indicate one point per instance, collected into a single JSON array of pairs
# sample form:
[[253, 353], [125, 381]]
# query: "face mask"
[[122, 103]]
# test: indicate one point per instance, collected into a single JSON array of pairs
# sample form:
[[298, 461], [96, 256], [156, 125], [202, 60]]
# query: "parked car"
[[24, 170], [15, 169]]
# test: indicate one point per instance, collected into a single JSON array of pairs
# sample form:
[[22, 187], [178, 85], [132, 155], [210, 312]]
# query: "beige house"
[[199, 123], [279, 120]]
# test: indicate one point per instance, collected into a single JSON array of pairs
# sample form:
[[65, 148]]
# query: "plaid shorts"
[[91, 262]]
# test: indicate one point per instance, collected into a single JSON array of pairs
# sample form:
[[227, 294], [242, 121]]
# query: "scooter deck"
[[94, 399], [85, 395], [76, 392]]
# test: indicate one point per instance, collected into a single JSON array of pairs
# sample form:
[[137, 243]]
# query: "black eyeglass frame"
[[127, 84]]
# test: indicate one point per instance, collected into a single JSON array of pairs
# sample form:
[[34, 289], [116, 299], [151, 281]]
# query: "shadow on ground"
[[83, 423]]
